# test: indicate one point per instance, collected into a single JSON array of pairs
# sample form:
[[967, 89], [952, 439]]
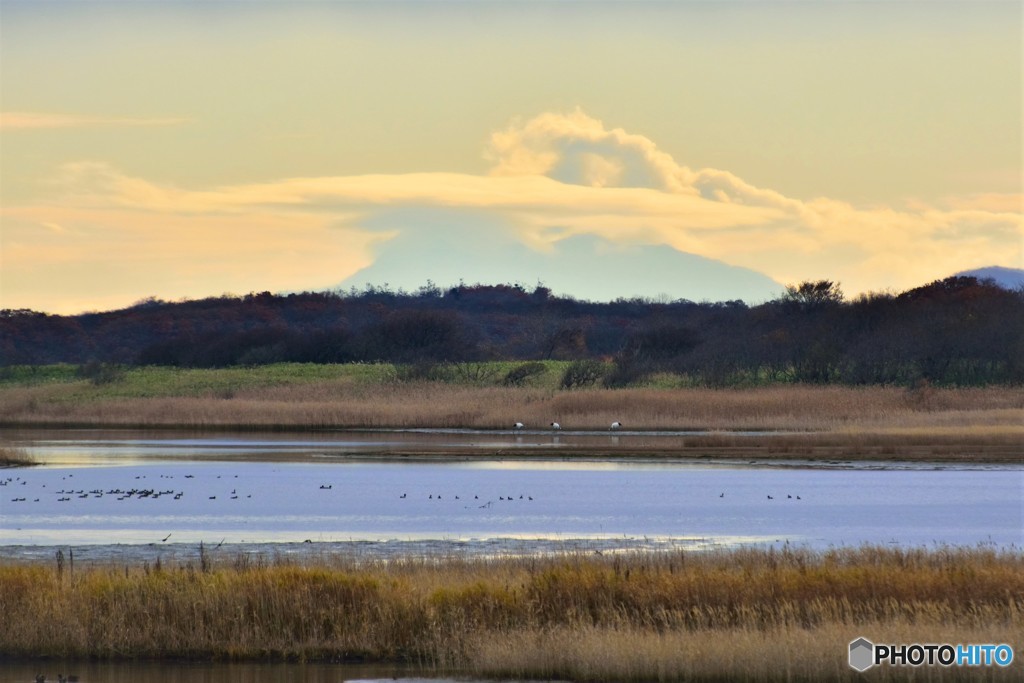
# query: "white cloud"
[[558, 175], [557, 145]]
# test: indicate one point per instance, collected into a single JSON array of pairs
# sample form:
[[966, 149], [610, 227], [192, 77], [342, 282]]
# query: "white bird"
[[518, 425], [616, 425], [555, 425]]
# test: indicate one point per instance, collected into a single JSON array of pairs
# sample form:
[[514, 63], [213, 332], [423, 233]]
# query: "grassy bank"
[[828, 421], [753, 614]]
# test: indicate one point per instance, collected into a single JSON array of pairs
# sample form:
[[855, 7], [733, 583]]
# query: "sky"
[[191, 149]]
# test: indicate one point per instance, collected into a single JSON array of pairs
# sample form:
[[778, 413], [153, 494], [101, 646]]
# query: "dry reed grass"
[[342, 403], [789, 653], [986, 424], [15, 457], [751, 614]]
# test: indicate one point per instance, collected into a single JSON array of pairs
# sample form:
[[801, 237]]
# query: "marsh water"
[[111, 497], [137, 495]]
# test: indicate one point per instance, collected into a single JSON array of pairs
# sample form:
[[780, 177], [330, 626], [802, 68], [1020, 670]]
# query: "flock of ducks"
[[488, 504], [554, 425], [136, 493]]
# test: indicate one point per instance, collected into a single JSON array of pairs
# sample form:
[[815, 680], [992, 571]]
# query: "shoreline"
[[765, 447], [771, 422]]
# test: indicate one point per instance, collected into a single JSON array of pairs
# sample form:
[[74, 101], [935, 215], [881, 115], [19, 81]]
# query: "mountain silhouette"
[[584, 266], [1007, 278]]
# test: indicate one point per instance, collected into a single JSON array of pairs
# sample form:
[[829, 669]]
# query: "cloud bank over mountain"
[[566, 199]]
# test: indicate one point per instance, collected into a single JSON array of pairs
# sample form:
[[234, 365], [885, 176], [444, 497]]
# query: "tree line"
[[957, 331]]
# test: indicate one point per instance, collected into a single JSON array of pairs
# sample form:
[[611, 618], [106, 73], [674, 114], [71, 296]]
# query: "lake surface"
[[130, 496]]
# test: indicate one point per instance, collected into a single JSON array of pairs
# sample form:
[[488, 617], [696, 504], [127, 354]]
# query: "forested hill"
[[954, 331]]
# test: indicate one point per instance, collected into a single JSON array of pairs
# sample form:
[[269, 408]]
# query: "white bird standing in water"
[[616, 425], [518, 425], [555, 425]]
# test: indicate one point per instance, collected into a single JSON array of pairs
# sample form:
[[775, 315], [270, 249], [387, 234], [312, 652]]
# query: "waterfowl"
[[616, 425], [555, 425], [518, 425]]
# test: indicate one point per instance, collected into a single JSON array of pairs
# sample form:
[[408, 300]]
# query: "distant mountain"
[[586, 267], [1007, 278]]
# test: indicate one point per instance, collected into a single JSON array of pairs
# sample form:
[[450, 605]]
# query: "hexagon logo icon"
[[862, 654]]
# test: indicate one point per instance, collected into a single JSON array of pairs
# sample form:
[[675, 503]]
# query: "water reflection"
[[353, 551], [85, 447], [207, 672]]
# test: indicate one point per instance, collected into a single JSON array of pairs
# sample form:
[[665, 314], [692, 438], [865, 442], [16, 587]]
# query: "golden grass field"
[[985, 424], [722, 615]]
